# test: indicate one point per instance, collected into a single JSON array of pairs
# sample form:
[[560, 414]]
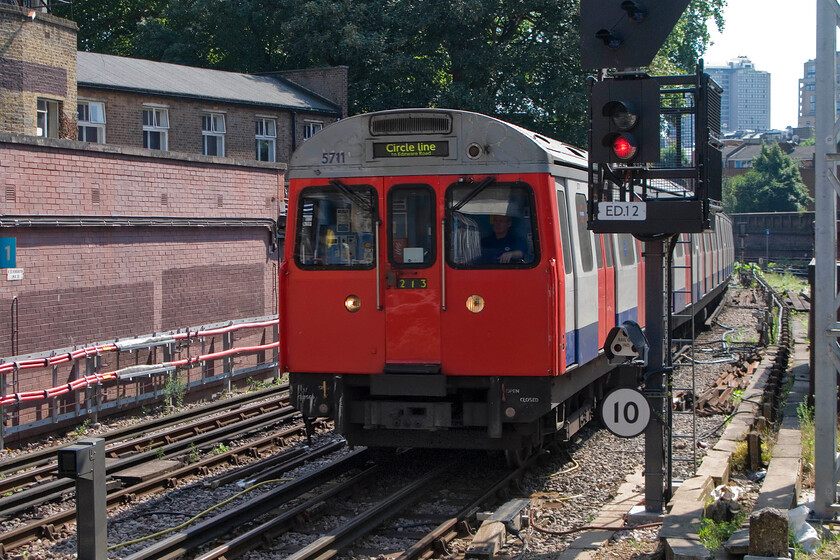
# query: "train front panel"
[[421, 297]]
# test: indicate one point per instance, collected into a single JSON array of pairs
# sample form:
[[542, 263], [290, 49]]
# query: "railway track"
[[52, 526], [25, 473], [33, 459], [320, 524], [53, 489]]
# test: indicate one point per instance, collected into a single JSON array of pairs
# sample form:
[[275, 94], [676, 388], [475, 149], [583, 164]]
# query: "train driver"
[[503, 246]]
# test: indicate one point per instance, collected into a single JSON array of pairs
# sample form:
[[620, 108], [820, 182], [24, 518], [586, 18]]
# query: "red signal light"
[[624, 148]]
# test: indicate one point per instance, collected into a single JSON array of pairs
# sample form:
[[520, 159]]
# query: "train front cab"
[[428, 356], [395, 322]]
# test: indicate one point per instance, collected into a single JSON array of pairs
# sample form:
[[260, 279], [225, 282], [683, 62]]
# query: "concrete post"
[[85, 462]]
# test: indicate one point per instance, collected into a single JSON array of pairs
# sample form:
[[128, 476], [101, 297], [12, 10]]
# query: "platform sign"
[[625, 412], [7, 252]]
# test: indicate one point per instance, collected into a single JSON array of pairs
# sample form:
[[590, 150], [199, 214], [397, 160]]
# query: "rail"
[[151, 381]]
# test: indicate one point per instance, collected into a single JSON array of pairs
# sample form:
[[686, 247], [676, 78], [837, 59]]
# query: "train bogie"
[[440, 287]]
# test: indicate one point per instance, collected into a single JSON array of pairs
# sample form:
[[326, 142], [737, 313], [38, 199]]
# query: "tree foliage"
[[774, 184], [515, 59]]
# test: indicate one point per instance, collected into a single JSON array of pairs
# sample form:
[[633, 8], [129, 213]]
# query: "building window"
[[310, 128], [266, 136], [91, 121], [47, 119], [213, 133], [155, 128]]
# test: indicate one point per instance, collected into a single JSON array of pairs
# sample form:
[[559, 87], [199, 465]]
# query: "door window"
[[411, 231]]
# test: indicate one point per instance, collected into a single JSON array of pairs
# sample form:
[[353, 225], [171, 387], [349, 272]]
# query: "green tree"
[[109, 26], [774, 184], [515, 59]]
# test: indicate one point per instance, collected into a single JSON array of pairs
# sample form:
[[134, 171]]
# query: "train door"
[[608, 287], [696, 268], [586, 292], [569, 274], [626, 279], [707, 262], [680, 275], [640, 294], [332, 272], [412, 279]]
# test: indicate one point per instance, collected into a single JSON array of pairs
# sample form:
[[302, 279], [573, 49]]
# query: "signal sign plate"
[[625, 412], [635, 211]]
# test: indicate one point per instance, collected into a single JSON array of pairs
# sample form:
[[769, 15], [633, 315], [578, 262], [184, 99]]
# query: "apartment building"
[[745, 104]]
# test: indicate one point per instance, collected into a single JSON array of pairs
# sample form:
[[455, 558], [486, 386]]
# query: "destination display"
[[410, 149]]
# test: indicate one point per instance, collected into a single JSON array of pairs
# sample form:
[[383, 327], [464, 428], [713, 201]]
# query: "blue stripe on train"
[[582, 345], [631, 314]]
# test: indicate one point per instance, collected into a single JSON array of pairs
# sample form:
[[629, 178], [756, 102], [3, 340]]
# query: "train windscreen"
[[491, 225], [335, 227]]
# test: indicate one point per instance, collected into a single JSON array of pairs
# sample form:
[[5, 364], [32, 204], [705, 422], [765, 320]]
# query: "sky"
[[779, 36]]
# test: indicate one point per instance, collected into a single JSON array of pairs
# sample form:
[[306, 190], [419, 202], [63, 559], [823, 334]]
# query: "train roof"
[[429, 141]]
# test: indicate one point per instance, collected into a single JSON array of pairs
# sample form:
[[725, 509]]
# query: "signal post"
[[634, 189]]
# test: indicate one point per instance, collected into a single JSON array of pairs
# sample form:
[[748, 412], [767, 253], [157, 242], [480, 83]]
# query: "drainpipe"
[[294, 130]]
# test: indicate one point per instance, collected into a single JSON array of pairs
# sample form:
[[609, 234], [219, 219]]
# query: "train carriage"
[[440, 287]]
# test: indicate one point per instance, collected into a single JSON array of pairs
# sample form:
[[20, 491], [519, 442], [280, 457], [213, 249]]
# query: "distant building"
[[745, 104], [738, 157], [808, 94]]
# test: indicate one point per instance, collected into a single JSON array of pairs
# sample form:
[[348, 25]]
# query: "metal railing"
[[81, 397]]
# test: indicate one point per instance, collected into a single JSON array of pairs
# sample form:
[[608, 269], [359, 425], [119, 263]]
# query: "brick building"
[[142, 197], [156, 105], [37, 73]]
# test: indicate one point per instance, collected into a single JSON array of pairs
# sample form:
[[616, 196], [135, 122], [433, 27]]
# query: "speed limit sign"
[[625, 412]]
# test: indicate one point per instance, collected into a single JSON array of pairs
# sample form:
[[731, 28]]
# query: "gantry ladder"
[[675, 345]]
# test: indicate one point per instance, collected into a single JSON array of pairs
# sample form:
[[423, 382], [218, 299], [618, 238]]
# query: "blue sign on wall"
[[7, 252]]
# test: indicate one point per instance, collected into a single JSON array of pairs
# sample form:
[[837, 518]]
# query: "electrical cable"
[[197, 516], [588, 527]]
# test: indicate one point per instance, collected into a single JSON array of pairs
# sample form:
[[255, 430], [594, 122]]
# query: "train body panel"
[[440, 287]]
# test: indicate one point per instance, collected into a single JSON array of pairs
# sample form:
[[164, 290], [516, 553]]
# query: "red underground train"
[[440, 287]]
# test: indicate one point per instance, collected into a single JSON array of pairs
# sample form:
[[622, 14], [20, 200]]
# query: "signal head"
[[622, 113], [624, 146]]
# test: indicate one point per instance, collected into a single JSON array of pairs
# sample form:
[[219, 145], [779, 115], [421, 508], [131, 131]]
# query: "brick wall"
[[88, 284], [124, 126], [791, 236], [38, 60], [328, 82]]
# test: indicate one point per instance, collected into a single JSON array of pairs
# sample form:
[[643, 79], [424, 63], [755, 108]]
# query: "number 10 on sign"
[[625, 412]]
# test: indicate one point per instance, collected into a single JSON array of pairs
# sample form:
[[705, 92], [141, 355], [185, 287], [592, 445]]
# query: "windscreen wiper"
[[366, 205], [486, 182]]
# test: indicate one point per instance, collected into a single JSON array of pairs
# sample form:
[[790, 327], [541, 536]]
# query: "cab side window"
[[491, 225]]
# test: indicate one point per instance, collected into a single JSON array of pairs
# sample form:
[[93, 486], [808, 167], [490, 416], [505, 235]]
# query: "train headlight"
[[475, 303], [474, 151], [352, 303]]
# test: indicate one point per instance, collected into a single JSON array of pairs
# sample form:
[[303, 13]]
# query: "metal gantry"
[[825, 347]]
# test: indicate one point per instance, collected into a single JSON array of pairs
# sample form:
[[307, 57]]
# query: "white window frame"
[[158, 123], [310, 128], [265, 133], [46, 121], [92, 121], [213, 126]]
